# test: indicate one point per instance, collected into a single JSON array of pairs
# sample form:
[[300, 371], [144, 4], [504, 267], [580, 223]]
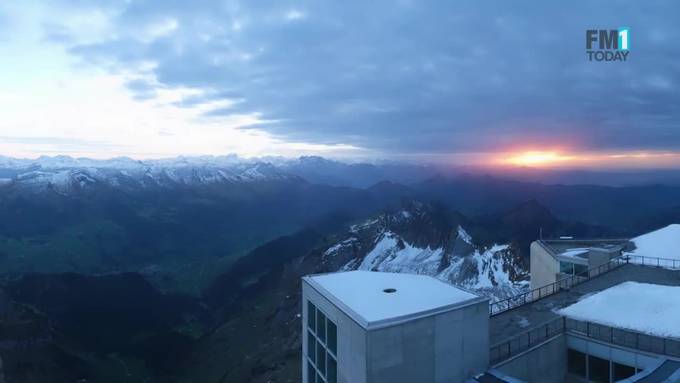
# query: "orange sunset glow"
[[536, 158], [555, 158]]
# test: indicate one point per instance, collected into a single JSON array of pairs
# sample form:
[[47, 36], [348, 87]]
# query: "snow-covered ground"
[[647, 308], [662, 243]]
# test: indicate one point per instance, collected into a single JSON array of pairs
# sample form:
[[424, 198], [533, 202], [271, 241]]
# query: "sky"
[[465, 82]]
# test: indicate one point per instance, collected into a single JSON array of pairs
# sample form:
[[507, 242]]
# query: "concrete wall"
[[597, 256], [543, 266], [545, 363], [351, 347], [447, 347]]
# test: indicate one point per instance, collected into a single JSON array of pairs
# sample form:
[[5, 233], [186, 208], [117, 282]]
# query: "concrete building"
[[371, 327], [617, 319], [553, 260]]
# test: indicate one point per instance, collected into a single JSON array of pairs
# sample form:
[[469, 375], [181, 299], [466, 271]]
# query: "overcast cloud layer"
[[397, 76]]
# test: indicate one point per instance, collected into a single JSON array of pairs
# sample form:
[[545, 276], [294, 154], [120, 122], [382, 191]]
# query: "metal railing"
[[644, 260], [626, 338], [504, 305], [635, 340], [523, 341]]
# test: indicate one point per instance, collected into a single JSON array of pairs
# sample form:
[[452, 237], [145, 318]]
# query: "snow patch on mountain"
[[333, 250], [392, 254], [462, 234], [490, 271]]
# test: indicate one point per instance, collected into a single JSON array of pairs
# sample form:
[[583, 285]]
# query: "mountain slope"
[[424, 239]]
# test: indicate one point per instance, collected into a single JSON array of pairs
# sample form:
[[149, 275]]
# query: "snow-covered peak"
[[63, 172]]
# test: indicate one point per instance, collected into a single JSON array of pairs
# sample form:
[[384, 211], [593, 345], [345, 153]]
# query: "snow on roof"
[[643, 307], [662, 243], [376, 296], [575, 252]]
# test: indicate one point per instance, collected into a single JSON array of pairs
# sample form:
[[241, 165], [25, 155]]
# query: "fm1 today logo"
[[610, 44]]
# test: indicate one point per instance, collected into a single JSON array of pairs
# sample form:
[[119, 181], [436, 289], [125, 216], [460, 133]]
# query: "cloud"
[[401, 77]]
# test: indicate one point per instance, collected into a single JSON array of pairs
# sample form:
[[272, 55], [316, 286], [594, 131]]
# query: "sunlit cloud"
[[536, 158], [556, 159]]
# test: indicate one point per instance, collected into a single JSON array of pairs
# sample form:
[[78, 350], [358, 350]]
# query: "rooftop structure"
[[377, 299], [554, 259]]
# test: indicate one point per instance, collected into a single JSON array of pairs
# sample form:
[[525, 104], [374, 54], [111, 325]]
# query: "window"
[[321, 326], [576, 363], [311, 372], [311, 316], [321, 359], [566, 268], [332, 370], [322, 343], [621, 371], [573, 269], [311, 347], [598, 369], [581, 270], [332, 337]]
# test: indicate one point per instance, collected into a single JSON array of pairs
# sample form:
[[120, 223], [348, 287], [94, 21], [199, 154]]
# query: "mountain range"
[[189, 269]]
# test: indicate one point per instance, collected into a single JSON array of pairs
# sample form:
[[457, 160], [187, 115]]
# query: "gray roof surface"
[[558, 246]]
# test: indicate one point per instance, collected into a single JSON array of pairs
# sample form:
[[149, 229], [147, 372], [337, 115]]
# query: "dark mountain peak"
[[420, 223], [530, 212]]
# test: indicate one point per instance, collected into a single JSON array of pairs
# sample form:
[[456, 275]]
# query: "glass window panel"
[[576, 363], [566, 268], [321, 326], [311, 319], [311, 347], [321, 359], [332, 374], [621, 371], [581, 270], [598, 369], [311, 372], [332, 337]]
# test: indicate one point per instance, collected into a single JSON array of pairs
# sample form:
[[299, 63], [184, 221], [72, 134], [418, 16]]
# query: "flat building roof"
[[377, 298], [644, 307]]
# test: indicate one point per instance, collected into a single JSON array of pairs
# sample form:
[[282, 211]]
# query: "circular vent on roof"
[[390, 290]]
